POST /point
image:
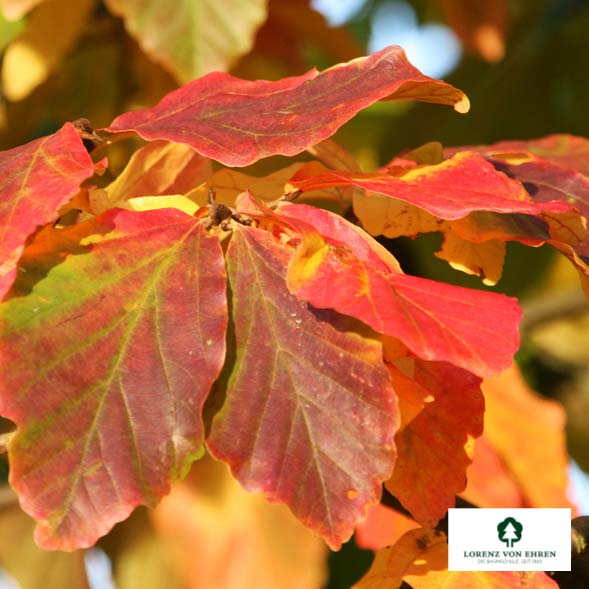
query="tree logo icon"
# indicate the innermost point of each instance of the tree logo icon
(510, 531)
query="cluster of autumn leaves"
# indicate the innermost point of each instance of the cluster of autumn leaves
(284, 340)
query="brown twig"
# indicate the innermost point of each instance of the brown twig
(539, 311)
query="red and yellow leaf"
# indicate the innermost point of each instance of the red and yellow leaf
(37, 179)
(238, 122)
(114, 334)
(310, 414)
(449, 190)
(202, 36)
(552, 170)
(436, 447)
(338, 269)
(477, 207)
(546, 181)
(566, 151)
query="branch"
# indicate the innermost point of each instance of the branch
(542, 310)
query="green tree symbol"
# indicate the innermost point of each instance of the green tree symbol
(509, 531)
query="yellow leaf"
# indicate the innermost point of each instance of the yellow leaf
(308, 257)
(28, 564)
(334, 156)
(228, 184)
(159, 168)
(51, 32)
(383, 215)
(569, 227)
(173, 201)
(416, 553)
(483, 259)
(420, 558)
(15, 9)
(140, 558)
(430, 154)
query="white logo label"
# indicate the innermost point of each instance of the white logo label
(509, 540)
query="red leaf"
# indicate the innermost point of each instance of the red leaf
(310, 414)
(472, 329)
(37, 179)
(436, 447)
(547, 182)
(449, 190)
(112, 354)
(238, 122)
(553, 170)
(566, 151)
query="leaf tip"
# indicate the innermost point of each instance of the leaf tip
(463, 105)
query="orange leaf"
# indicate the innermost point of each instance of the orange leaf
(412, 396)
(382, 527)
(420, 558)
(490, 482)
(481, 26)
(241, 540)
(532, 446)
(435, 448)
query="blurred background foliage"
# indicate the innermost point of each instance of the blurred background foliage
(523, 65)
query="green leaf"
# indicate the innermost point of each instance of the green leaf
(192, 37)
